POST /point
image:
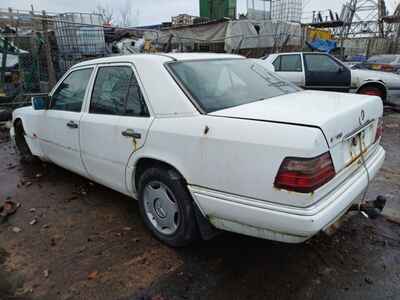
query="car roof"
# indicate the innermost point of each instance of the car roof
(157, 58)
(309, 52)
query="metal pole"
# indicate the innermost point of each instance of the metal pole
(47, 48)
(265, 10)
(3, 65)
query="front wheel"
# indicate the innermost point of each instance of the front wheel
(166, 207)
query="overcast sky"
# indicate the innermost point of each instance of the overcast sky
(151, 11)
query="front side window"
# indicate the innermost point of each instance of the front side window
(288, 63)
(321, 63)
(220, 84)
(70, 93)
(117, 92)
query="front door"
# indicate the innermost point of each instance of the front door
(323, 72)
(115, 125)
(59, 133)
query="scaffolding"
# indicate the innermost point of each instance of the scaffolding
(259, 9)
(363, 18)
(286, 10)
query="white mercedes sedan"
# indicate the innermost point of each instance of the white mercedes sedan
(207, 142)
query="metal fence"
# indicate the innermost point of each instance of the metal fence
(47, 45)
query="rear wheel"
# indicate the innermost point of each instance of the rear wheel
(373, 91)
(166, 206)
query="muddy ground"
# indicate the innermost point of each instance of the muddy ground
(88, 242)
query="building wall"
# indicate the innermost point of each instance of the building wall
(218, 9)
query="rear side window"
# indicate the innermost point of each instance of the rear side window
(321, 63)
(71, 92)
(117, 92)
(288, 63)
(383, 59)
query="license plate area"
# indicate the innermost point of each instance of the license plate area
(358, 143)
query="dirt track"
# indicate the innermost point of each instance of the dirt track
(89, 243)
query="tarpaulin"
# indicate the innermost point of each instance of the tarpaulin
(323, 45)
(188, 35)
(248, 34)
(240, 34)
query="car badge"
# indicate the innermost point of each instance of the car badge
(362, 117)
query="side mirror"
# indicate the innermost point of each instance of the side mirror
(41, 102)
(341, 70)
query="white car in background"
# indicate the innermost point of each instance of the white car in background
(321, 71)
(207, 141)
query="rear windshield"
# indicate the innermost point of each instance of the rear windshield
(220, 84)
(383, 59)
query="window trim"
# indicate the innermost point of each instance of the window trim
(139, 81)
(183, 88)
(63, 78)
(280, 63)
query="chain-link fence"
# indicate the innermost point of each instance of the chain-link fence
(46, 45)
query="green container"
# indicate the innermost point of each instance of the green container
(218, 9)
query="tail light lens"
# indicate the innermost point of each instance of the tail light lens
(305, 175)
(387, 68)
(379, 130)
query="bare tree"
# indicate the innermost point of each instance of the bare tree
(106, 11)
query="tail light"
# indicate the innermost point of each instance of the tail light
(305, 175)
(387, 68)
(379, 130)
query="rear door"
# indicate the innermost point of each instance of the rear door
(115, 124)
(290, 67)
(323, 72)
(60, 130)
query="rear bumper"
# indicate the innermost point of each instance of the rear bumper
(283, 223)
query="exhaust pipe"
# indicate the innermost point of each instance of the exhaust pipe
(370, 209)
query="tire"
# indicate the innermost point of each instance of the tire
(21, 144)
(372, 91)
(5, 115)
(166, 207)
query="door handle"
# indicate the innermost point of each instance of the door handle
(72, 124)
(131, 133)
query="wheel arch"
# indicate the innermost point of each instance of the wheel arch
(207, 231)
(143, 163)
(19, 138)
(18, 123)
(374, 83)
(26, 125)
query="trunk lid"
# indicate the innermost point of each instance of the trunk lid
(348, 121)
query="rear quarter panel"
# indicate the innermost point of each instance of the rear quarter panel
(234, 156)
